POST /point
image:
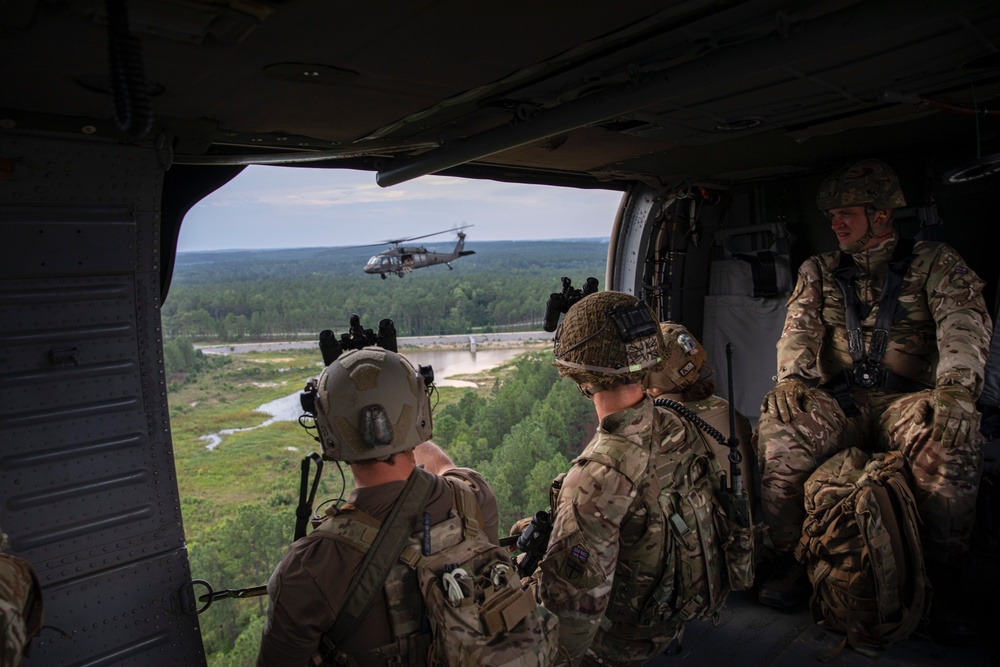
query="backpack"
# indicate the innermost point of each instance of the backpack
(861, 547)
(469, 591)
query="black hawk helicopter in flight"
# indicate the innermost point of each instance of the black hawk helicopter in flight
(402, 259)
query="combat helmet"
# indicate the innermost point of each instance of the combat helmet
(608, 338)
(685, 361)
(371, 403)
(868, 182)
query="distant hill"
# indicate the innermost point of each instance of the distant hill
(265, 294)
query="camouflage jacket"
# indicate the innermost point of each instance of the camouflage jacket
(941, 336)
(20, 608)
(606, 514)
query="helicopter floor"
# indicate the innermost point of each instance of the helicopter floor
(750, 634)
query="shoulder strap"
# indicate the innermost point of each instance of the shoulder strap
(384, 551)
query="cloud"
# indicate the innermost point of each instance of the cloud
(272, 207)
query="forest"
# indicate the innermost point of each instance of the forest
(520, 426)
(269, 294)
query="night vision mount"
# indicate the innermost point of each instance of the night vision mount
(356, 338)
(560, 302)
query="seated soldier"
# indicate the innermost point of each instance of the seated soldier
(883, 348)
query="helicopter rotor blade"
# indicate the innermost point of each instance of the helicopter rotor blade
(395, 242)
(423, 236)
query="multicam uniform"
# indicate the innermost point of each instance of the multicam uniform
(20, 607)
(307, 588)
(939, 340)
(608, 540)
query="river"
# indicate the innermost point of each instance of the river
(446, 364)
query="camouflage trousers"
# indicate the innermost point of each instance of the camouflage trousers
(946, 468)
(20, 608)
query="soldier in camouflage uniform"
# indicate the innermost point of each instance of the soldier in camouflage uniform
(608, 537)
(906, 381)
(373, 411)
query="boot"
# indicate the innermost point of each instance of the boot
(788, 585)
(951, 620)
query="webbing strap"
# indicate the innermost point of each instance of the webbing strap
(304, 510)
(382, 554)
(868, 369)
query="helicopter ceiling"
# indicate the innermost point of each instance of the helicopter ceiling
(562, 93)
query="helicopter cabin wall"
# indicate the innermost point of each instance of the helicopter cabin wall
(719, 286)
(88, 491)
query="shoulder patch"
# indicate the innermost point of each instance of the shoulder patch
(961, 269)
(575, 561)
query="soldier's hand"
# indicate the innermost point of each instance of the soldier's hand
(954, 414)
(519, 527)
(786, 400)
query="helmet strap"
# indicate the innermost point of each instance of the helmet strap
(874, 217)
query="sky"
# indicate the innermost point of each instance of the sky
(283, 207)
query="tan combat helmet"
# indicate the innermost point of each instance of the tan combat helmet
(608, 338)
(685, 361)
(865, 183)
(371, 403)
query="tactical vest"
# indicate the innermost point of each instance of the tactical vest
(676, 570)
(453, 596)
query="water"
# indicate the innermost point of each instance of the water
(446, 363)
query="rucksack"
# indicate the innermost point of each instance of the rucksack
(469, 590)
(861, 547)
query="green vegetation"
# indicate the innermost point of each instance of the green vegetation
(259, 295)
(520, 429)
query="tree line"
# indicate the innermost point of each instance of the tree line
(259, 295)
(519, 437)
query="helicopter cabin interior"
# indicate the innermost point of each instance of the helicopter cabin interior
(715, 119)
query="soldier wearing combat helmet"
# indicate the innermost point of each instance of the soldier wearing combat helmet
(372, 411)
(607, 513)
(883, 347)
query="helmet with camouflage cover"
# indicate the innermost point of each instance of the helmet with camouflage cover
(608, 338)
(868, 182)
(371, 403)
(685, 361)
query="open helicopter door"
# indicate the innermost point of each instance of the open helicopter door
(88, 491)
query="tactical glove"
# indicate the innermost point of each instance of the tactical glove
(949, 411)
(786, 400)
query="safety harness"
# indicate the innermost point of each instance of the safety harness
(868, 372)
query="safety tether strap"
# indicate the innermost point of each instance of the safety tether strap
(381, 556)
(868, 371)
(306, 497)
